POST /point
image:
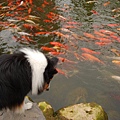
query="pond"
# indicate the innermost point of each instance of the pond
(84, 35)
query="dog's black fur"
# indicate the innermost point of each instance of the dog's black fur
(16, 78)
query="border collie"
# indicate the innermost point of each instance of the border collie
(27, 70)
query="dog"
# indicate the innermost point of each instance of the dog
(22, 72)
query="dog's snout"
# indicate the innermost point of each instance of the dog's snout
(46, 87)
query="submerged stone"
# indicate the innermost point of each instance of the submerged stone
(77, 95)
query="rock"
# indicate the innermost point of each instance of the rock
(32, 114)
(47, 110)
(87, 111)
(83, 111)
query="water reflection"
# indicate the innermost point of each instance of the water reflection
(76, 24)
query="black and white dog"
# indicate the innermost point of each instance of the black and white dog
(27, 70)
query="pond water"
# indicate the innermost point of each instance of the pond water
(81, 25)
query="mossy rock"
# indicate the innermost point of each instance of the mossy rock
(87, 111)
(47, 110)
(83, 111)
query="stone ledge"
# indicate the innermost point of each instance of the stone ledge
(33, 114)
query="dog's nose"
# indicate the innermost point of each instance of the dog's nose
(46, 87)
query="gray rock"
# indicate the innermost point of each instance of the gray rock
(32, 114)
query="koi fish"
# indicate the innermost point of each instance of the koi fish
(42, 33)
(101, 43)
(91, 58)
(55, 53)
(59, 34)
(94, 12)
(39, 9)
(116, 10)
(78, 57)
(69, 26)
(48, 49)
(24, 33)
(100, 34)
(89, 35)
(116, 62)
(115, 37)
(113, 25)
(28, 26)
(117, 52)
(29, 10)
(48, 21)
(116, 78)
(61, 17)
(106, 3)
(89, 51)
(93, 1)
(65, 60)
(61, 72)
(58, 44)
(104, 40)
(66, 30)
(28, 39)
(107, 32)
(30, 21)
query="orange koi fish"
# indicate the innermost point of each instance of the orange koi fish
(55, 53)
(115, 37)
(69, 26)
(42, 33)
(29, 10)
(47, 21)
(100, 34)
(58, 44)
(78, 57)
(65, 60)
(102, 43)
(94, 12)
(116, 62)
(28, 26)
(89, 51)
(61, 17)
(117, 52)
(104, 40)
(39, 9)
(106, 3)
(113, 25)
(61, 72)
(28, 38)
(53, 16)
(89, 35)
(91, 58)
(107, 32)
(59, 34)
(47, 49)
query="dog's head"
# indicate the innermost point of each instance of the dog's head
(49, 73)
(42, 68)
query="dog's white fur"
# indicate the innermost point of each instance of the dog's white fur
(38, 64)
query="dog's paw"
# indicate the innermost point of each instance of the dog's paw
(28, 105)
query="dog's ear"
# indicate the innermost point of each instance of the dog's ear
(54, 61)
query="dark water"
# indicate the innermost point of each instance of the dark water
(86, 81)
